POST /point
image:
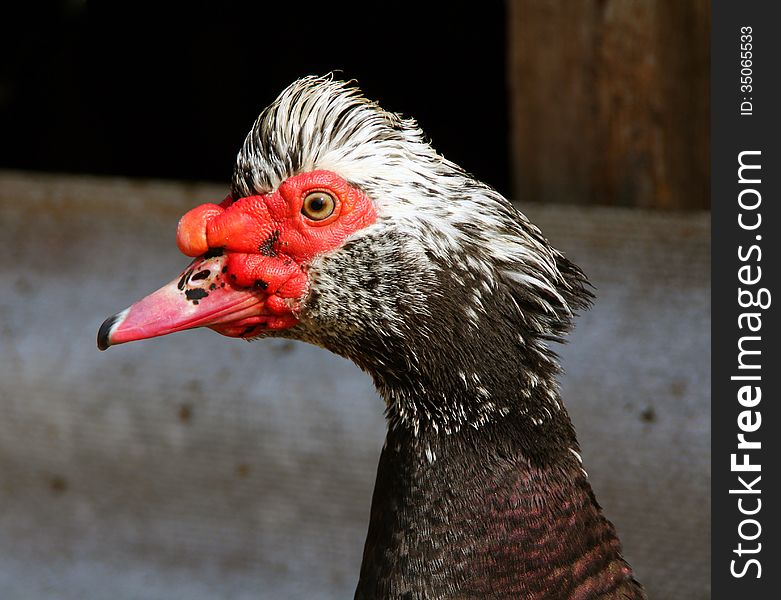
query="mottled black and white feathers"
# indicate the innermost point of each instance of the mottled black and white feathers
(451, 292)
(449, 300)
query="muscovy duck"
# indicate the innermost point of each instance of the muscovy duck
(344, 228)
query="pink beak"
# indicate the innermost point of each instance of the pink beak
(201, 297)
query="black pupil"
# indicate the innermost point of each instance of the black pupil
(317, 204)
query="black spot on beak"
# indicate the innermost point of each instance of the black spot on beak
(196, 294)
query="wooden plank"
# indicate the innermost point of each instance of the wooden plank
(609, 102)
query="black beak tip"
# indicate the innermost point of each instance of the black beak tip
(104, 331)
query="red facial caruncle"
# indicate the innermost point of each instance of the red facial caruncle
(250, 272)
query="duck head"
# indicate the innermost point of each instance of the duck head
(346, 229)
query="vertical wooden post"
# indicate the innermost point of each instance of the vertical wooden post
(609, 101)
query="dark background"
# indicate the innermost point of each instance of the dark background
(592, 102)
(125, 88)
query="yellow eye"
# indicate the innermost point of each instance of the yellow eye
(318, 205)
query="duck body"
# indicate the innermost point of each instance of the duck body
(468, 515)
(344, 228)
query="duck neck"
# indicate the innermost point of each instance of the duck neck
(499, 510)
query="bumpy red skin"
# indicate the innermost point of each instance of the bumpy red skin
(250, 273)
(269, 243)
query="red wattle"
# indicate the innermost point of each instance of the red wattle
(191, 232)
(270, 274)
(242, 227)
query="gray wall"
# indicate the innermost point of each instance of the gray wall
(199, 467)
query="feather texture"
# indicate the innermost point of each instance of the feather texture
(450, 301)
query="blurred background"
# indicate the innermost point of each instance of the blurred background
(198, 467)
